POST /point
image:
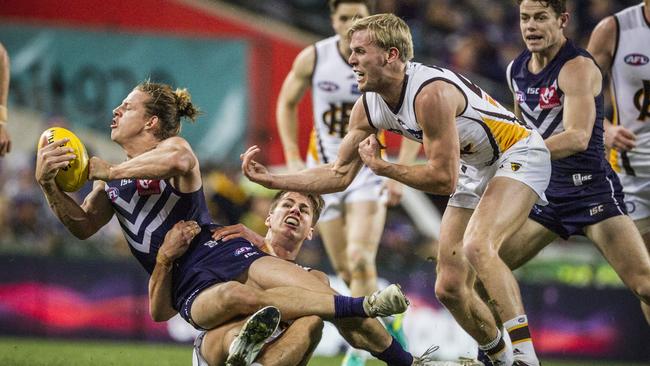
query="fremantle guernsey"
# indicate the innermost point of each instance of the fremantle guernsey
(630, 78)
(147, 209)
(541, 103)
(485, 128)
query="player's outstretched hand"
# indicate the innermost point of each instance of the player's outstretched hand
(370, 153)
(177, 241)
(5, 140)
(230, 232)
(620, 138)
(50, 158)
(252, 169)
(98, 169)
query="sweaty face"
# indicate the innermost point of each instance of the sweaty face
(367, 61)
(345, 15)
(541, 27)
(292, 217)
(129, 117)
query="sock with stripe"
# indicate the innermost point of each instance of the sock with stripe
(498, 350)
(522, 343)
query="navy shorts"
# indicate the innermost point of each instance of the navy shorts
(209, 262)
(589, 200)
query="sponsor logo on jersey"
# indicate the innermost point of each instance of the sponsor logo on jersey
(548, 97)
(113, 193)
(328, 86)
(147, 187)
(242, 250)
(124, 182)
(578, 178)
(596, 210)
(521, 96)
(211, 243)
(636, 59)
(532, 91)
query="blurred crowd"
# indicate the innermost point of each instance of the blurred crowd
(475, 37)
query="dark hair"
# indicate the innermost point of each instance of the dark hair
(334, 4)
(316, 200)
(169, 106)
(559, 6)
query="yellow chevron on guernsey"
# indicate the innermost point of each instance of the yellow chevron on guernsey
(506, 134)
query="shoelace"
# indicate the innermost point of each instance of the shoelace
(427, 356)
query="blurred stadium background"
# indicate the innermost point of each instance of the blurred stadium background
(72, 62)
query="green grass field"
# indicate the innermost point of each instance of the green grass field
(42, 352)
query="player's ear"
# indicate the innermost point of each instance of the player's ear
(310, 234)
(392, 56)
(267, 222)
(564, 19)
(153, 121)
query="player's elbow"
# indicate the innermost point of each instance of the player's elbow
(182, 162)
(445, 182)
(158, 315)
(581, 141)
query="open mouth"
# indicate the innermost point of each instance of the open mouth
(113, 123)
(533, 38)
(359, 75)
(292, 221)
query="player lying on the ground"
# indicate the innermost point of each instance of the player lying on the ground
(290, 221)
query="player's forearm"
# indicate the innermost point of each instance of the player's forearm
(160, 163)
(160, 284)
(567, 143)
(287, 117)
(4, 77)
(321, 179)
(424, 177)
(71, 215)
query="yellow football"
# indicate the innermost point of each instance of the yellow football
(75, 175)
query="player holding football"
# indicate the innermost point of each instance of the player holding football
(160, 184)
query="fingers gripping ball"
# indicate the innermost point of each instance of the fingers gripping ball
(75, 175)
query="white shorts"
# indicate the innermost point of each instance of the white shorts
(197, 359)
(637, 195)
(366, 186)
(527, 161)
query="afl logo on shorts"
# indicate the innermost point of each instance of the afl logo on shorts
(636, 59)
(630, 206)
(242, 250)
(328, 86)
(113, 193)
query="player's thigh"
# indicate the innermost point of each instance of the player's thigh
(502, 210)
(451, 260)
(643, 225)
(622, 245)
(334, 240)
(220, 303)
(365, 223)
(525, 243)
(271, 272)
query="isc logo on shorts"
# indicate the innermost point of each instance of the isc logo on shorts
(596, 210)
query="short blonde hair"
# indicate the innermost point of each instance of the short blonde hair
(386, 31)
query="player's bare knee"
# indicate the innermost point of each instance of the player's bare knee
(479, 253)
(241, 298)
(361, 262)
(449, 291)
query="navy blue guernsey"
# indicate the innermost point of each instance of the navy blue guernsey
(541, 102)
(147, 209)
